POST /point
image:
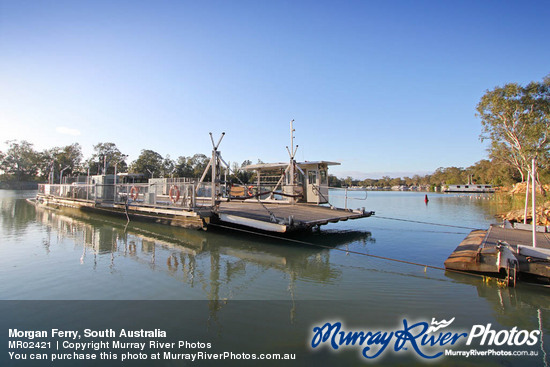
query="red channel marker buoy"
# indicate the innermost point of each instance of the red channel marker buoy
(426, 199)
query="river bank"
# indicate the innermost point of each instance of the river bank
(515, 196)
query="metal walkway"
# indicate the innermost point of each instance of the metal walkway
(515, 237)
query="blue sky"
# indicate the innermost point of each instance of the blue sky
(383, 87)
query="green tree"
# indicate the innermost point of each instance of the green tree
(191, 167)
(183, 167)
(20, 162)
(396, 181)
(149, 162)
(105, 158)
(368, 182)
(67, 158)
(385, 181)
(198, 164)
(239, 174)
(517, 121)
(168, 166)
(334, 181)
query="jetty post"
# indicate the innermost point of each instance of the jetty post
(534, 200)
(526, 197)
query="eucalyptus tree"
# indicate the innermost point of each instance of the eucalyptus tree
(104, 159)
(20, 162)
(66, 158)
(191, 166)
(182, 167)
(517, 121)
(149, 163)
(168, 166)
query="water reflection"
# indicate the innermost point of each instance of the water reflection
(524, 306)
(221, 265)
(16, 216)
(69, 254)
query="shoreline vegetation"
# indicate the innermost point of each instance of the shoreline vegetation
(515, 198)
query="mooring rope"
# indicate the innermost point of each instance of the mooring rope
(417, 221)
(425, 266)
(416, 230)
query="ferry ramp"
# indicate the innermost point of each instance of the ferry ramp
(283, 217)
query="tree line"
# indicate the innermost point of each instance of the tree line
(21, 162)
(482, 172)
(514, 118)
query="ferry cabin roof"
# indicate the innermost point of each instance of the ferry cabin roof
(302, 165)
(310, 181)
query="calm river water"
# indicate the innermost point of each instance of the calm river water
(246, 292)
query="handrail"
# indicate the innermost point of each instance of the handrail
(346, 195)
(124, 193)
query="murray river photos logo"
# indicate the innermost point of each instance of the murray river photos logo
(426, 340)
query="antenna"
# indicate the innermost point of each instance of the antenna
(292, 130)
(292, 150)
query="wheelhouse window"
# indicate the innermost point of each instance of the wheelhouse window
(312, 177)
(324, 178)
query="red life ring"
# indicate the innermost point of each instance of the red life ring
(250, 192)
(134, 193)
(174, 194)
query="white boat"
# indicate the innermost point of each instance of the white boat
(469, 187)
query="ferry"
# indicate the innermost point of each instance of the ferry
(285, 197)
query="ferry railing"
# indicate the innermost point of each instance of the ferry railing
(204, 193)
(347, 198)
(179, 195)
(268, 184)
(254, 191)
(69, 191)
(163, 185)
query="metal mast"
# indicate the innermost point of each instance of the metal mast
(292, 154)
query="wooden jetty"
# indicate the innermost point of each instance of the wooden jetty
(284, 197)
(506, 253)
